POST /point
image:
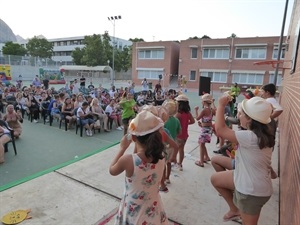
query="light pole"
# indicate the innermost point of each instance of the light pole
(113, 19)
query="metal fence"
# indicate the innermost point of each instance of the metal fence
(28, 67)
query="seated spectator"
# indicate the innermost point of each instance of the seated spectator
(98, 111)
(55, 107)
(79, 100)
(34, 107)
(21, 103)
(140, 99)
(159, 98)
(86, 117)
(4, 138)
(13, 120)
(149, 97)
(67, 112)
(113, 113)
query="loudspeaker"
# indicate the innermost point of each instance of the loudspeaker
(160, 76)
(204, 85)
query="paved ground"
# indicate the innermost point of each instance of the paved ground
(81, 191)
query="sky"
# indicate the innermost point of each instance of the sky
(155, 20)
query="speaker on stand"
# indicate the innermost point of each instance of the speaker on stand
(204, 85)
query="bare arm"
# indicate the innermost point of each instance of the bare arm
(121, 162)
(220, 126)
(191, 119)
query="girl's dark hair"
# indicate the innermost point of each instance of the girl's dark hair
(184, 106)
(124, 95)
(264, 133)
(154, 147)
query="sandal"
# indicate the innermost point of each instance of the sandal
(166, 190)
(233, 217)
(198, 163)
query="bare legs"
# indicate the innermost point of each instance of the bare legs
(3, 140)
(221, 163)
(223, 183)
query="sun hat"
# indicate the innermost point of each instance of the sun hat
(145, 123)
(150, 108)
(171, 105)
(257, 109)
(182, 98)
(207, 98)
(163, 113)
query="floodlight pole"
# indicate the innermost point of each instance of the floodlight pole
(113, 19)
(280, 42)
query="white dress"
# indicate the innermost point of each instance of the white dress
(141, 202)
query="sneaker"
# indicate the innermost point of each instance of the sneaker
(87, 133)
(35, 121)
(122, 127)
(165, 190)
(119, 128)
(47, 121)
(91, 132)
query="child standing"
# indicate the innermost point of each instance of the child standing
(186, 118)
(141, 202)
(206, 116)
(174, 127)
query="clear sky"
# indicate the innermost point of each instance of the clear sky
(153, 20)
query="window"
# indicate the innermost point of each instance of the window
(151, 54)
(194, 53)
(193, 75)
(149, 74)
(218, 53)
(248, 78)
(279, 79)
(250, 53)
(216, 77)
(275, 53)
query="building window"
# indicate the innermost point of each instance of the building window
(149, 74)
(275, 53)
(194, 53)
(248, 78)
(151, 54)
(216, 77)
(192, 75)
(279, 79)
(250, 53)
(215, 53)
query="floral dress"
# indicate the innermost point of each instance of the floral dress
(141, 202)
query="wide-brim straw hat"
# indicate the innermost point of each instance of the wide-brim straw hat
(257, 109)
(182, 98)
(171, 105)
(145, 123)
(207, 98)
(151, 108)
(163, 113)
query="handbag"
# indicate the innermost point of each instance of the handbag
(97, 124)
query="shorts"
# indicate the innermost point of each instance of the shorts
(126, 120)
(233, 163)
(87, 121)
(249, 204)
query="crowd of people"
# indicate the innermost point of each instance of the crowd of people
(243, 175)
(157, 123)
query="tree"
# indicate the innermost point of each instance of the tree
(233, 35)
(136, 39)
(205, 37)
(40, 47)
(11, 48)
(77, 55)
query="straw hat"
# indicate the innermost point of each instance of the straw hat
(257, 109)
(145, 123)
(163, 113)
(207, 98)
(150, 108)
(171, 105)
(182, 98)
